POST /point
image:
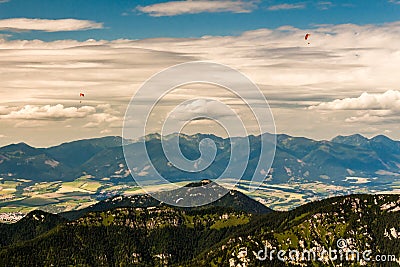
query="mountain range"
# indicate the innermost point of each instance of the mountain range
(297, 159)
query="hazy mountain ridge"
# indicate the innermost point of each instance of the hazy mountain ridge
(62, 162)
(296, 159)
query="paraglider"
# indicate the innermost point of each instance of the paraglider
(307, 36)
(81, 95)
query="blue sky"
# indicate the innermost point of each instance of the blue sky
(121, 19)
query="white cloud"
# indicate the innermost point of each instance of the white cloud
(47, 25)
(101, 119)
(371, 108)
(106, 131)
(31, 124)
(48, 112)
(389, 100)
(397, 2)
(375, 116)
(324, 5)
(105, 117)
(199, 107)
(287, 6)
(174, 8)
(4, 110)
(368, 118)
(4, 1)
(107, 108)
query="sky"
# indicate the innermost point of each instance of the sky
(343, 80)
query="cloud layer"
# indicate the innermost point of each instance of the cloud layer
(47, 25)
(174, 8)
(330, 74)
(287, 6)
(47, 112)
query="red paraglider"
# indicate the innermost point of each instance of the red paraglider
(81, 95)
(307, 36)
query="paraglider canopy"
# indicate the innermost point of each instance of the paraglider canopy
(81, 95)
(307, 36)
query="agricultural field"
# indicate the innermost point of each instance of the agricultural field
(23, 196)
(19, 196)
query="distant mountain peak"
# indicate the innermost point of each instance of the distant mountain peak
(352, 136)
(41, 216)
(359, 140)
(20, 145)
(234, 200)
(354, 139)
(382, 138)
(201, 183)
(152, 136)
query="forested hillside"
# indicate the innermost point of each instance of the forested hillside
(213, 236)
